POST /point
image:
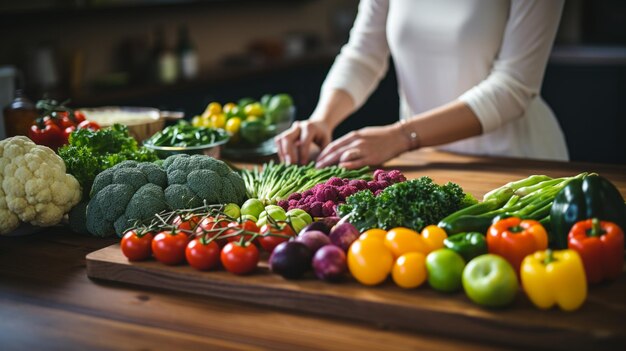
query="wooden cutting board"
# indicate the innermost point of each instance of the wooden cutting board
(600, 323)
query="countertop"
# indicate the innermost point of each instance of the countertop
(48, 302)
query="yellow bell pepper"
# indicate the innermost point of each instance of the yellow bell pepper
(558, 277)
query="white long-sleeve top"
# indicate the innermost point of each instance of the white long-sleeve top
(490, 54)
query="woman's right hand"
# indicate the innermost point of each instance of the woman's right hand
(295, 145)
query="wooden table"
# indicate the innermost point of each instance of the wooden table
(48, 302)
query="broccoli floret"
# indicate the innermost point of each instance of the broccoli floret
(180, 196)
(131, 176)
(206, 178)
(206, 184)
(154, 173)
(123, 194)
(147, 201)
(106, 207)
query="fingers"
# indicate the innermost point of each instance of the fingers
(304, 144)
(285, 144)
(332, 152)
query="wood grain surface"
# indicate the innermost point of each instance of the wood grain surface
(47, 302)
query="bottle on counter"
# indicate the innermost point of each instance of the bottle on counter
(187, 54)
(19, 115)
(166, 63)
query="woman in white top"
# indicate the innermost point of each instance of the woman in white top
(469, 75)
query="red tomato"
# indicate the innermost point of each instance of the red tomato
(79, 116)
(88, 125)
(63, 119)
(137, 247)
(169, 248)
(239, 259)
(210, 226)
(186, 223)
(66, 133)
(248, 226)
(202, 256)
(46, 134)
(269, 242)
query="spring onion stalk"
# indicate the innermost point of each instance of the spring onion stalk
(276, 181)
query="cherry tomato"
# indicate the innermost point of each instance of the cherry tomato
(209, 227)
(91, 125)
(370, 261)
(433, 237)
(409, 271)
(247, 225)
(137, 247)
(79, 116)
(47, 134)
(169, 248)
(402, 240)
(63, 119)
(269, 242)
(239, 259)
(202, 255)
(66, 133)
(186, 223)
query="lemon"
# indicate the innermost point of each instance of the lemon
(254, 109)
(218, 120)
(213, 108)
(233, 125)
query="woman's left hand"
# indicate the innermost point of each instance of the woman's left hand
(364, 147)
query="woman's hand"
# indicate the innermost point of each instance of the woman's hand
(295, 144)
(365, 147)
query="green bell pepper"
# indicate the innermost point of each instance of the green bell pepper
(591, 197)
(468, 245)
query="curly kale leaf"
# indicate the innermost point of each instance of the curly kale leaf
(413, 204)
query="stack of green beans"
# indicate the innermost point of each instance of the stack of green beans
(529, 198)
(276, 181)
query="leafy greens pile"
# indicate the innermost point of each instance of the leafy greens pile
(91, 152)
(413, 204)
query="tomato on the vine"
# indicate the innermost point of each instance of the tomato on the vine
(187, 223)
(66, 133)
(169, 247)
(47, 134)
(91, 125)
(239, 258)
(210, 227)
(79, 116)
(136, 246)
(272, 235)
(247, 225)
(202, 255)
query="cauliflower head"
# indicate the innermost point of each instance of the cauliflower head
(34, 185)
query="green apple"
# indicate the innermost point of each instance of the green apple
(232, 210)
(490, 280)
(276, 212)
(252, 207)
(297, 223)
(296, 212)
(247, 217)
(445, 270)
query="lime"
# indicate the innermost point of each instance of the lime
(253, 131)
(252, 207)
(280, 101)
(232, 210)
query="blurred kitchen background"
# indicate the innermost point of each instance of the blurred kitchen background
(182, 54)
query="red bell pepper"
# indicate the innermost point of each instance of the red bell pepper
(601, 246)
(514, 239)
